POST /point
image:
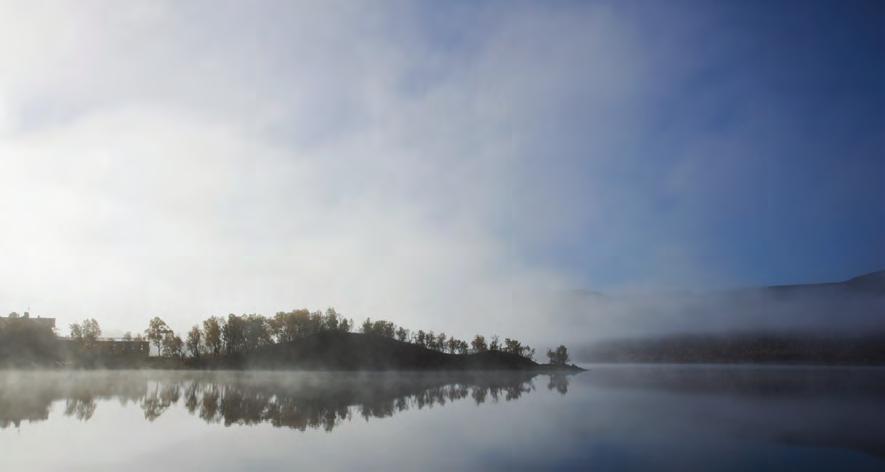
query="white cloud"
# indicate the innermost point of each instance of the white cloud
(186, 160)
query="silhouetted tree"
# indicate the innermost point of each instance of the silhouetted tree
(316, 323)
(384, 328)
(378, 328)
(479, 343)
(527, 352)
(441, 342)
(402, 334)
(559, 356)
(494, 345)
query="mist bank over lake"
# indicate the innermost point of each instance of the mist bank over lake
(849, 308)
(826, 323)
(741, 348)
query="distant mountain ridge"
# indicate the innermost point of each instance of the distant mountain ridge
(873, 282)
(831, 322)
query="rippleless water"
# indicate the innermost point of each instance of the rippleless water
(609, 418)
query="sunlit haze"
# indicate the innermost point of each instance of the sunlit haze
(494, 167)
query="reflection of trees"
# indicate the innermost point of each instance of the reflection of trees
(334, 398)
(28, 396)
(292, 400)
(159, 399)
(559, 383)
(80, 408)
(16, 405)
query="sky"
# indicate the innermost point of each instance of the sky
(453, 166)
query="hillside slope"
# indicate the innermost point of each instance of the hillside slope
(351, 351)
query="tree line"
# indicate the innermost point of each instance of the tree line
(238, 334)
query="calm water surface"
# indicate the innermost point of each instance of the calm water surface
(609, 418)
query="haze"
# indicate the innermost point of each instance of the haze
(456, 166)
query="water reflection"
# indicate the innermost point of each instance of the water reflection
(813, 407)
(292, 400)
(610, 418)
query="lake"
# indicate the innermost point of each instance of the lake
(612, 417)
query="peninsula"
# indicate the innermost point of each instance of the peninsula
(298, 339)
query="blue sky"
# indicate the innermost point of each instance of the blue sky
(772, 114)
(437, 163)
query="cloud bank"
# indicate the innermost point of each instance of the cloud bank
(191, 159)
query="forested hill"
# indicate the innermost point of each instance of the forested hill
(290, 340)
(352, 351)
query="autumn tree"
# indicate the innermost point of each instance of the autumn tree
(173, 346)
(156, 332)
(212, 334)
(194, 344)
(479, 343)
(86, 333)
(233, 334)
(284, 326)
(256, 332)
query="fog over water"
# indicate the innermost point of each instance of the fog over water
(625, 417)
(843, 309)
